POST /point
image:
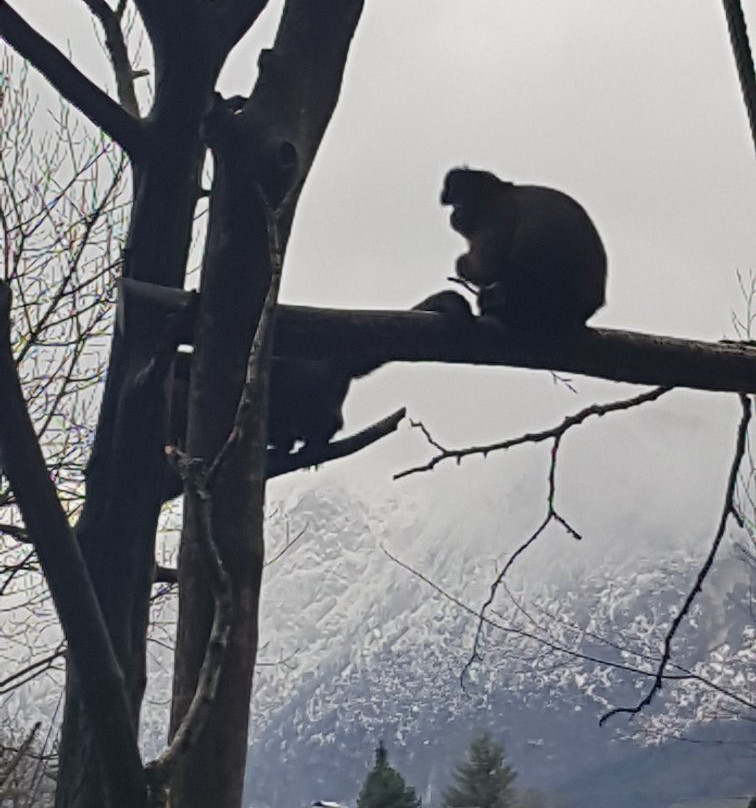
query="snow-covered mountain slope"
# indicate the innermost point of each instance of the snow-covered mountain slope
(360, 648)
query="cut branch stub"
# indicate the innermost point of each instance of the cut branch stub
(143, 309)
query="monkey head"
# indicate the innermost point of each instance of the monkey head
(470, 193)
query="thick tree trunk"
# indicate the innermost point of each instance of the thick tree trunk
(119, 520)
(267, 148)
(234, 283)
(117, 541)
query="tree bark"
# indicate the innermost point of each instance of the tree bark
(622, 356)
(93, 664)
(119, 520)
(268, 148)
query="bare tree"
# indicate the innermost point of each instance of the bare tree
(27, 772)
(100, 574)
(62, 219)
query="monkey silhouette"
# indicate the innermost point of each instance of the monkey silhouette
(534, 254)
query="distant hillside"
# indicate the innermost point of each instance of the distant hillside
(680, 773)
(735, 802)
(374, 652)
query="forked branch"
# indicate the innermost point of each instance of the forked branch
(70, 82)
(729, 510)
(552, 514)
(554, 433)
(111, 21)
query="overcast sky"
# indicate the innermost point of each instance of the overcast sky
(634, 109)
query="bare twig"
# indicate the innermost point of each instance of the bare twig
(553, 433)
(684, 674)
(14, 569)
(32, 670)
(741, 50)
(728, 511)
(551, 644)
(15, 532)
(17, 757)
(744, 324)
(115, 45)
(288, 544)
(552, 514)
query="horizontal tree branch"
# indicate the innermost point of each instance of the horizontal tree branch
(70, 82)
(284, 464)
(622, 356)
(375, 337)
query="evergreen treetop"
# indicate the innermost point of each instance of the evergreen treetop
(384, 787)
(482, 780)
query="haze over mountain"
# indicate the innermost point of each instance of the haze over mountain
(371, 651)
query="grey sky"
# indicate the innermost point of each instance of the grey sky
(634, 109)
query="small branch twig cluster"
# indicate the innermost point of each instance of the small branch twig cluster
(552, 514)
(553, 433)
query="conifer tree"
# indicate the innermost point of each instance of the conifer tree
(482, 780)
(384, 787)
